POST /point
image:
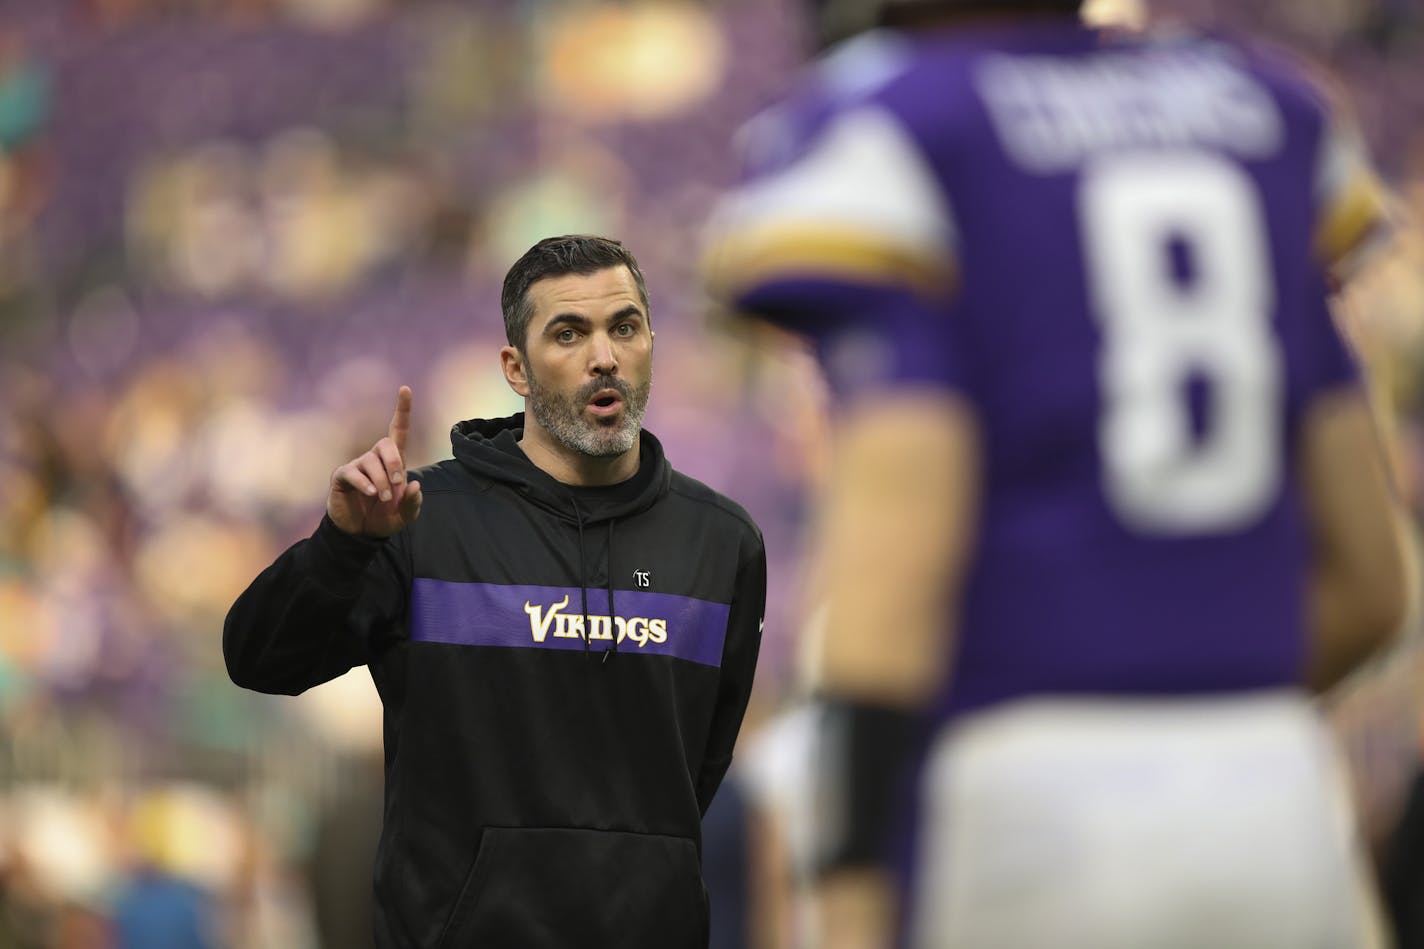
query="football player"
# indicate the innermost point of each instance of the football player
(1107, 503)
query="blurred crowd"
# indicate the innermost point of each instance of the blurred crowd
(230, 228)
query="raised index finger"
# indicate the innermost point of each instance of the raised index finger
(400, 422)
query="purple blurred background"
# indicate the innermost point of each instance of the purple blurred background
(230, 228)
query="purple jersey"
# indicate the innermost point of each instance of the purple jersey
(1118, 251)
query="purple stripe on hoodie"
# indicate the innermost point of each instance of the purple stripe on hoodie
(535, 617)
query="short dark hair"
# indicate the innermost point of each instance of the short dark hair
(554, 257)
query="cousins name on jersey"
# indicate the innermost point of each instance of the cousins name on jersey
(1052, 113)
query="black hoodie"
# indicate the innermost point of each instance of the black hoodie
(544, 789)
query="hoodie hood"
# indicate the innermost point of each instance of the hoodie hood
(489, 448)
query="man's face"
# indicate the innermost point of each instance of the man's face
(588, 356)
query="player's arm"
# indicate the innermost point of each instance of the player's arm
(1362, 585)
(325, 603)
(739, 657)
(898, 525)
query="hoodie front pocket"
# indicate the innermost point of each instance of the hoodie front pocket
(547, 888)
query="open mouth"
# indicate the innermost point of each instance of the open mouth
(606, 402)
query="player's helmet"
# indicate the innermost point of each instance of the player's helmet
(836, 20)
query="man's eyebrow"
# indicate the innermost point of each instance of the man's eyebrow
(562, 319)
(627, 311)
(580, 321)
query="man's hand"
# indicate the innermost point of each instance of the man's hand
(370, 496)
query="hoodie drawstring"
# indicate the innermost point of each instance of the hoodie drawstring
(612, 614)
(583, 577)
(583, 587)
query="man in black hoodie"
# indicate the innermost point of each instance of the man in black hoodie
(562, 628)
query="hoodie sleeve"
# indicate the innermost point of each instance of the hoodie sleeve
(739, 658)
(325, 605)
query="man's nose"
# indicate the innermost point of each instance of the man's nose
(602, 359)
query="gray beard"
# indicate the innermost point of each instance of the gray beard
(564, 418)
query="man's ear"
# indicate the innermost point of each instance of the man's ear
(512, 361)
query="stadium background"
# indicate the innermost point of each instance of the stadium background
(230, 228)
